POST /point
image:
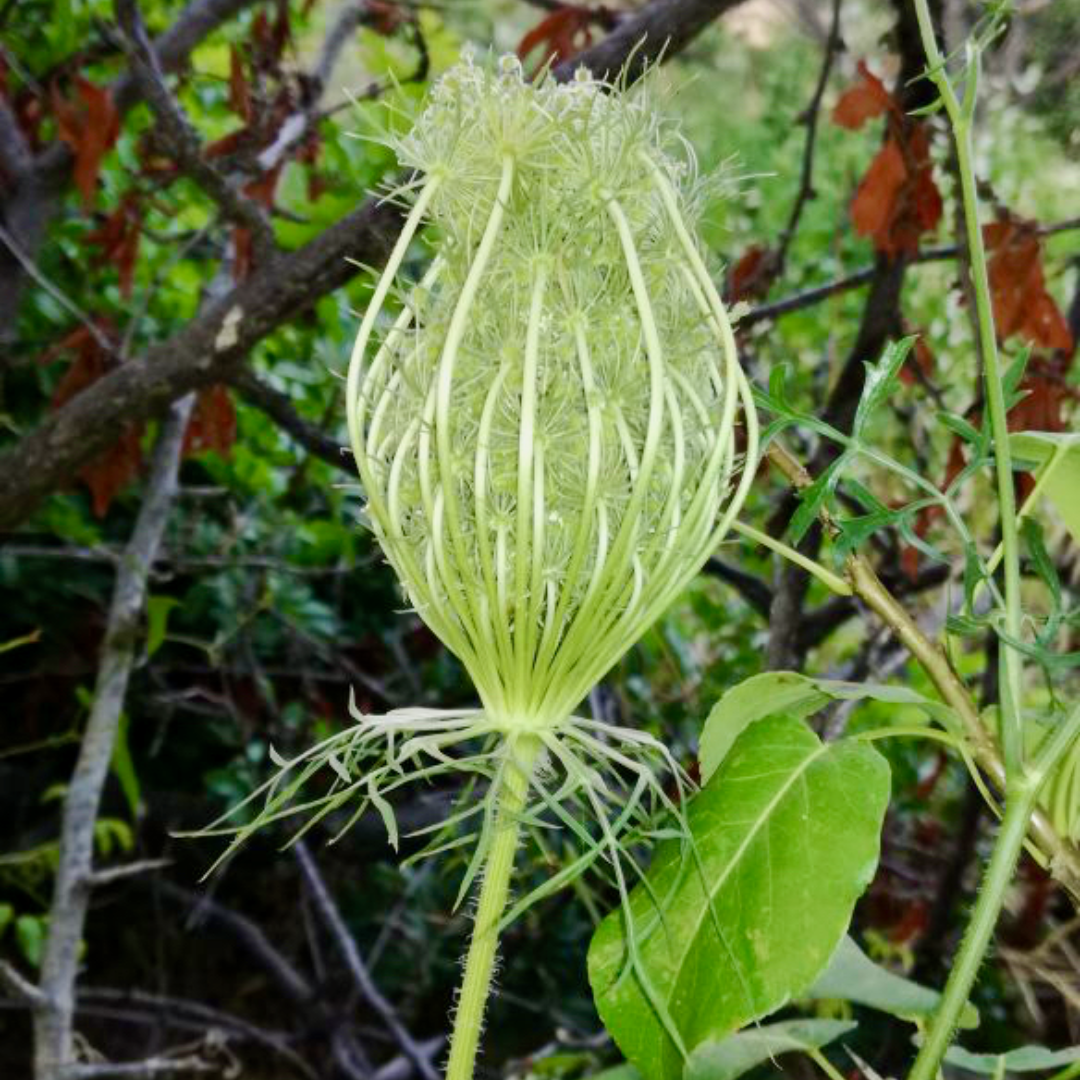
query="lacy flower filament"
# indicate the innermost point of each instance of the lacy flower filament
(546, 435)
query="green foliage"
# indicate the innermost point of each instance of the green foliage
(736, 921)
(729, 1058)
(853, 976)
(788, 693)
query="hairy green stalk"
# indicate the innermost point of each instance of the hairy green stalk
(1020, 800)
(494, 892)
(546, 437)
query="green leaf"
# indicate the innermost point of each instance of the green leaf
(123, 767)
(1056, 456)
(785, 839)
(853, 976)
(741, 1052)
(17, 643)
(157, 620)
(7, 913)
(960, 427)
(881, 381)
(1024, 1059)
(788, 693)
(30, 934)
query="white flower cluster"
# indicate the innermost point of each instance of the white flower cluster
(547, 433)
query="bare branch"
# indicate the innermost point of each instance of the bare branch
(282, 411)
(157, 1066)
(248, 934)
(208, 349)
(21, 987)
(180, 137)
(100, 878)
(328, 910)
(53, 1022)
(300, 125)
(659, 31)
(35, 272)
(810, 117)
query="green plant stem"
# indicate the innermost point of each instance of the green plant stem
(961, 116)
(480, 960)
(834, 582)
(1019, 803)
(965, 967)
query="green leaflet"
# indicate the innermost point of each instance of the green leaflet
(786, 836)
(853, 976)
(773, 693)
(1057, 455)
(1024, 1059)
(738, 1053)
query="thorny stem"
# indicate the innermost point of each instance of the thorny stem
(480, 959)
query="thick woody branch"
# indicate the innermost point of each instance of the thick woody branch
(212, 346)
(208, 349)
(659, 31)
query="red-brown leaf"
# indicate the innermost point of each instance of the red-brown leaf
(90, 126)
(752, 275)
(561, 35)
(91, 360)
(1022, 305)
(114, 469)
(920, 361)
(863, 101)
(897, 200)
(213, 423)
(239, 87)
(384, 17)
(119, 236)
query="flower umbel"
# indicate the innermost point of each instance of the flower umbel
(546, 435)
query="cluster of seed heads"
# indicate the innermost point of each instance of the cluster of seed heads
(546, 434)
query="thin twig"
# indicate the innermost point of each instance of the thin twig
(181, 138)
(35, 272)
(330, 914)
(158, 1066)
(808, 297)
(810, 117)
(21, 987)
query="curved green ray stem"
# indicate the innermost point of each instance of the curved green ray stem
(512, 792)
(836, 583)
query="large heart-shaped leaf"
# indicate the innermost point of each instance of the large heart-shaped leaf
(784, 840)
(1056, 455)
(739, 1053)
(853, 976)
(773, 693)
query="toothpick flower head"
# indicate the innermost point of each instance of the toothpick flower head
(546, 434)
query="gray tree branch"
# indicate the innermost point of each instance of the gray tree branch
(54, 1016)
